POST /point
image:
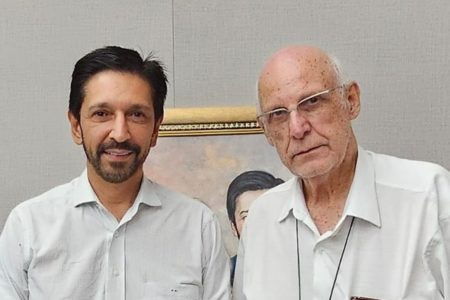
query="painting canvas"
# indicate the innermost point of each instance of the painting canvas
(202, 164)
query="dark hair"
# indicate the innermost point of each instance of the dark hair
(122, 60)
(248, 181)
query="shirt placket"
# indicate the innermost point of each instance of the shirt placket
(321, 277)
(326, 253)
(115, 285)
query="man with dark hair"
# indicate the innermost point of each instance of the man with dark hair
(350, 224)
(242, 191)
(111, 233)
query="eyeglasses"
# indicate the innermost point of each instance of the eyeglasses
(308, 105)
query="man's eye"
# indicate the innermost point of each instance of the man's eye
(138, 116)
(309, 103)
(278, 114)
(100, 114)
(314, 100)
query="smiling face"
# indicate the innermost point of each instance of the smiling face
(314, 141)
(117, 125)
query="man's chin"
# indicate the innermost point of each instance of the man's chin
(116, 172)
(311, 170)
(115, 177)
(116, 166)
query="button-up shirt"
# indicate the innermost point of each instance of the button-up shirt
(398, 248)
(65, 245)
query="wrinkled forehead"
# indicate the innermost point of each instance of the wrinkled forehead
(306, 68)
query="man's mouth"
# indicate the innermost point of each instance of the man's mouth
(306, 151)
(118, 152)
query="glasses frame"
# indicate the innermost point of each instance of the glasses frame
(267, 113)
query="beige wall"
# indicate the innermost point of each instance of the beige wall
(213, 50)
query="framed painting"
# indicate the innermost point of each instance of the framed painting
(201, 150)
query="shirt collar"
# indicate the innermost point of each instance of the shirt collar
(295, 201)
(82, 191)
(361, 202)
(85, 194)
(147, 193)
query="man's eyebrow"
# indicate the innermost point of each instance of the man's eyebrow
(98, 105)
(140, 106)
(243, 212)
(107, 105)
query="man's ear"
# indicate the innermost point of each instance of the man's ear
(155, 132)
(353, 99)
(234, 230)
(75, 127)
(266, 134)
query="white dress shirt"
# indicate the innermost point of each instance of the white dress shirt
(64, 244)
(399, 246)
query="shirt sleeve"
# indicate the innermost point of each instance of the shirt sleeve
(445, 227)
(13, 266)
(437, 255)
(238, 292)
(216, 267)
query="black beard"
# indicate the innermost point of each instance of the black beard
(120, 171)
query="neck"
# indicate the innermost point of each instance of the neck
(117, 198)
(326, 195)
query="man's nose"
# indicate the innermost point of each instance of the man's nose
(299, 125)
(120, 131)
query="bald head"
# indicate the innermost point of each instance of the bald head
(306, 65)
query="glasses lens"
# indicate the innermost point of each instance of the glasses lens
(277, 116)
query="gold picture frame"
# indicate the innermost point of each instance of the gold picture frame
(209, 121)
(201, 150)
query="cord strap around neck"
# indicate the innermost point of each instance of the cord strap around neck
(339, 264)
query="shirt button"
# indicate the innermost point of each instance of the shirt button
(116, 235)
(116, 273)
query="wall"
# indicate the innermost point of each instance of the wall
(213, 50)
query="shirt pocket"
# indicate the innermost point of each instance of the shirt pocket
(163, 291)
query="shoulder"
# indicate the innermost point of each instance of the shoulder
(48, 201)
(268, 207)
(43, 211)
(179, 203)
(425, 183)
(276, 196)
(413, 175)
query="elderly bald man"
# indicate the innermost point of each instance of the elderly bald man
(351, 223)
